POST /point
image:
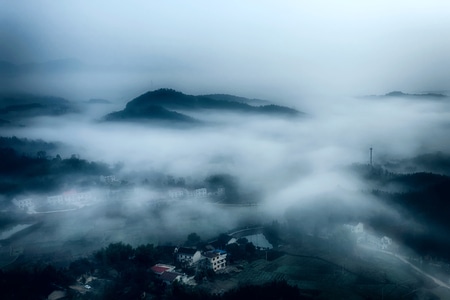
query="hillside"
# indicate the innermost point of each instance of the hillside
(162, 104)
(14, 107)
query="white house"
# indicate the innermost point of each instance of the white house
(216, 259)
(199, 193)
(70, 197)
(27, 204)
(111, 179)
(385, 242)
(358, 228)
(188, 256)
(177, 193)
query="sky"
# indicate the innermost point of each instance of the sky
(271, 49)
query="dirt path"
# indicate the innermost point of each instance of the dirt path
(437, 281)
(402, 258)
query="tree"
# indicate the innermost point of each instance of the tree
(145, 255)
(41, 154)
(193, 239)
(116, 255)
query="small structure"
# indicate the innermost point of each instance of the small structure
(110, 179)
(200, 193)
(385, 242)
(178, 193)
(70, 197)
(187, 256)
(216, 259)
(160, 269)
(358, 228)
(167, 273)
(25, 204)
(169, 277)
(369, 238)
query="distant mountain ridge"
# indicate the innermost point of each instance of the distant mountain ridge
(69, 64)
(161, 105)
(400, 94)
(21, 106)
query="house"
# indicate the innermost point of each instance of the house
(70, 197)
(200, 193)
(27, 204)
(160, 269)
(169, 277)
(167, 273)
(385, 242)
(187, 256)
(216, 259)
(358, 228)
(110, 179)
(368, 238)
(178, 193)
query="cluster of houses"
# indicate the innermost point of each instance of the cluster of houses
(369, 239)
(68, 199)
(109, 180)
(179, 193)
(215, 260)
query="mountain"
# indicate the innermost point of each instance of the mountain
(225, 97)
(160, 105)
(60, 65)
(399, 94)
(19, 106)
(149, 113)
(427, 95)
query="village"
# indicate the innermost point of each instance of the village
(218, 264)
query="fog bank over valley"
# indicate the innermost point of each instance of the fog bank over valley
(292, 150)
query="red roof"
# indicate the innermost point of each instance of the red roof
(160, 269)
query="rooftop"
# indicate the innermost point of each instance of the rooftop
(160, 268)
(188, 251)
(170, 276)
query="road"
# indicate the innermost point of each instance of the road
(403, 259)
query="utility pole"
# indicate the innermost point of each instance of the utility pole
(371, 157)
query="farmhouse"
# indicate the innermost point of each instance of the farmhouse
(169, 277)
(167, 273)
(159, 269)
(27, 204)
(187, 256)
(70, 197)
(367, 238)
(216, 259)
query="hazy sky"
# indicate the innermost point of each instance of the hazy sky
(287, 47)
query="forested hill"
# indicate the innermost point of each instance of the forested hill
(422, 196)
(166, 104)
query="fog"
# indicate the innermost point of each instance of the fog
(322, 58)
(286, 161)
(260, 49)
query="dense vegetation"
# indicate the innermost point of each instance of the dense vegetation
(42, 173)
(159, 105)
(423, 197)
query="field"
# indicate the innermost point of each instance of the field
(372, 275)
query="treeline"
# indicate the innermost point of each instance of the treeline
(421, 197)
(43, 173)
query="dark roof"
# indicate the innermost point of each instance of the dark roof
(189, 251)
(169, 276)
(214, 253)
(210, 254)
